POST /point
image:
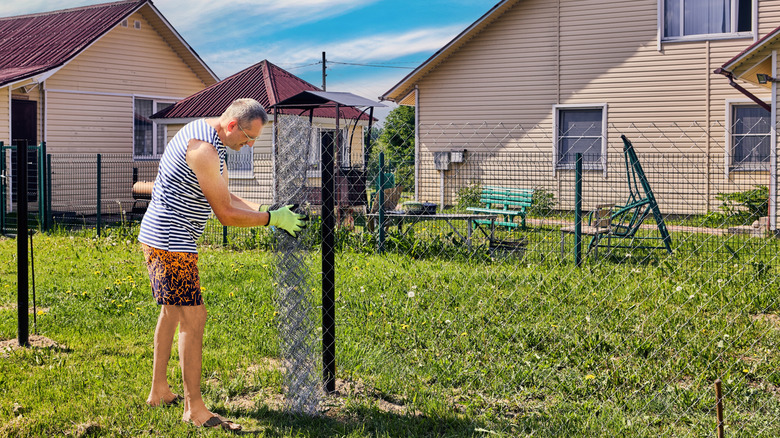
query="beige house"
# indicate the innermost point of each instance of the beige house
(557, 77)
(86, 80)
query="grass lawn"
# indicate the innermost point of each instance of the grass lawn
(428, 344)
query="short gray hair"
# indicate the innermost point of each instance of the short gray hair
(245, 111)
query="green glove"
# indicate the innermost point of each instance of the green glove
(288, 220)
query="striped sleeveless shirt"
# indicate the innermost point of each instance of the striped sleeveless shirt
(178, 211)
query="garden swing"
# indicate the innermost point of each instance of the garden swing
(623, 221)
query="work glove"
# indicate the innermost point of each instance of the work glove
(288, 220)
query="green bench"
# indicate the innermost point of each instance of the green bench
(505, 202)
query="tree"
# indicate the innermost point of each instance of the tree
(397, 142)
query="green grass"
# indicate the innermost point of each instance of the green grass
(435, 340)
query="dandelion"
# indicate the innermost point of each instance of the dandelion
(231, 295)
(590, 377)
(448, 322)
(463, 334)
(679, 288)
(41, 312)
(370, 313)
(356, 268)
(410, 294)
(362, 290)
(746, 371)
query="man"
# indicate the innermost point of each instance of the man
(191, 183)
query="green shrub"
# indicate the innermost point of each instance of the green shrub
(748, 205)
(469, 196)
(542, 203)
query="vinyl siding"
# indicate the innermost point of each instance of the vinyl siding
(5, 115)
(129, 61)
(89, 123)
(535, 56)
(504, 81)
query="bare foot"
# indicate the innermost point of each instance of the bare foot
(215, 421)
(169, 399)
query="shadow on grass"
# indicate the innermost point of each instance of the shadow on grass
(360, 420)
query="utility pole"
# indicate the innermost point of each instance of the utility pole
(324, 67)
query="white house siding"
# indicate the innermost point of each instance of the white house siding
(542, 53)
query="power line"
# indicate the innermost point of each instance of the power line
(370, 65)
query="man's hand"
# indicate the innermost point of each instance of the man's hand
(288, 220)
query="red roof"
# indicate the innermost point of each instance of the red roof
(264, 82)
(32, 44)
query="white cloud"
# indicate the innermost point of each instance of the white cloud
(373, 48)
(232, 18)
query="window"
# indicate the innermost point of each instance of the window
(749, 137)
(580, 129)
(706, 19)
(149, 137)
(322, 136)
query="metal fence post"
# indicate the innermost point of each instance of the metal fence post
(578, 211)
(3, 186)
(224, 235)
(99, 184)
(380, 198)
(49, 217)
(21, 244)
(328, 154)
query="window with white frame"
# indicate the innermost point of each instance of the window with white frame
(706, 19)
(149, 137)
(749, 140)
(580, 129)
(326, 136)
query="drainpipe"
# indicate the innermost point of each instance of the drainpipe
(747, 93)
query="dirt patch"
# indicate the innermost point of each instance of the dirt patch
(333, 404)
(769, 318)
(36, 341)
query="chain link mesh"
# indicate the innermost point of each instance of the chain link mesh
(295, 283)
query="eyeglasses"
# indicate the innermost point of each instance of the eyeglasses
(252, 139)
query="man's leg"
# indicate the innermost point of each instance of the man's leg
(192, 324)
(163, 341)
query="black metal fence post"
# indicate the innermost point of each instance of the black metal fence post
(380, 198)
(328, 150)
(21, 244)
(578, 211)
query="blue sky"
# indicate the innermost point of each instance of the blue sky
(230, 36)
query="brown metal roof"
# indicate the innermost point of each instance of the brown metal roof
(264, 82)
(32, 44)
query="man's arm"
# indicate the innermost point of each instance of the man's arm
(231, 210)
